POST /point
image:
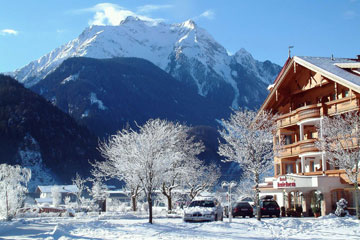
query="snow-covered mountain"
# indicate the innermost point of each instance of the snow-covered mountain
(186, 51)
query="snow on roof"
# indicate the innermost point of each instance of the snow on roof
(62, 188)
(331, 66)
(44, 200)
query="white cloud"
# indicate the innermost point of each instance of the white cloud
(209, 14)
(111, 14)
(5, 32)
(150, 8)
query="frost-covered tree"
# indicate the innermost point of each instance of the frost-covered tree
(182, 168)
(245, 188)
(56, 195)
(80, 183)
(13, 186)
(146, 154)
(120, 166)
(98, 192)
(248, 137)
(340, 140)
(200, 177)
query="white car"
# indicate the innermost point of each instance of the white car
(204, 209)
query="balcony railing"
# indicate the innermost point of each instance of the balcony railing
(310, 111)
(297, 148)
(342, 105)
(317, 110)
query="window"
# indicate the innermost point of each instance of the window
(336, 195)
(310, 135)
(346, 93)
(289, 168)
(312, 166)
(277, 169)
(288, 139)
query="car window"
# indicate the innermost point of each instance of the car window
(245, 204)
(270, 204)
(202, 204)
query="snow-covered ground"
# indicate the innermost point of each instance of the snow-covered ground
(121, 226)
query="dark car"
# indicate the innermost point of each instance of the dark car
(269, 207)
(242, 209)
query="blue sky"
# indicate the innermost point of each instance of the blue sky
(30, 29)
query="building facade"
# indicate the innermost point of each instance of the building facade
(306, 90)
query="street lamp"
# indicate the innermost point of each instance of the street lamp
(230, 185)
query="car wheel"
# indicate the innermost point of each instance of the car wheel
(277, 215)
(251, 216)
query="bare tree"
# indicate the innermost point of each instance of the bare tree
(181, 168)
(200, 177)
(245, 188)
(119, 163)
(340, 140)
(98, 192)
(80, 184)
(146, 155)
(56, 195)
(13, 186)
(248, 137)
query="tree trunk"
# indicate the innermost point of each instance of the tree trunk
(149, 199)
(7, 206)
(168, 196)
(133, 203)
(356, 186)
(257, 200)
(169, 203)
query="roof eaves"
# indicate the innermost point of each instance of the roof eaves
(278, 81)
(327, 74)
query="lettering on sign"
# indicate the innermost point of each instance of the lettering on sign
(284, 182)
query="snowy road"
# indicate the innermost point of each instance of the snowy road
(127, 227)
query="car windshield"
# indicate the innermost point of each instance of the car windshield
(202, 204)
(270, 204)
(243, 204)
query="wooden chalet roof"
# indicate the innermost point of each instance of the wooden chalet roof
(339, 70)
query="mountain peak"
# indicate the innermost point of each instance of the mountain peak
(130, 19)
(189, 24)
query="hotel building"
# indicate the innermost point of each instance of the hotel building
(306, 90)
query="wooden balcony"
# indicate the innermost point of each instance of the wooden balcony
(292, 118)
(342, 105)
(317, 110)
(297, 148)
